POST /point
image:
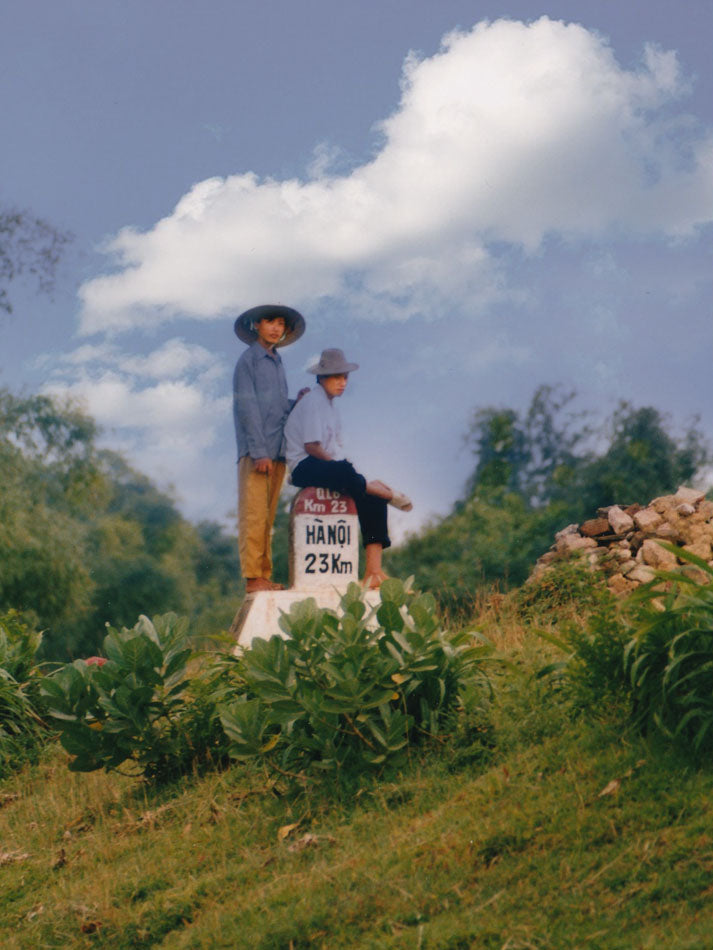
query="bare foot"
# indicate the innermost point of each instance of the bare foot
(374, 581)
(255, 584)
(401, 501)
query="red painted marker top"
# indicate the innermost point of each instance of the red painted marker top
(323, 501)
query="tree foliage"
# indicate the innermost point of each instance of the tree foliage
(28, 246)
(86, 540)
(535, 473)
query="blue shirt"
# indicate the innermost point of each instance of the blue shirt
(260, 403)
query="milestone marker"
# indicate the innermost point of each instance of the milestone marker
(323, 562)
(324, 540)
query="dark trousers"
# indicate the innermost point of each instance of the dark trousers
(343, 477)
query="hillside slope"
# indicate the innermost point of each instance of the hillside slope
(570, 832)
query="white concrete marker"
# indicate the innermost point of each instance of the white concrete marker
(323, 558)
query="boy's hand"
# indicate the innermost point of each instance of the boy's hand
(301, 393)
(263, 466)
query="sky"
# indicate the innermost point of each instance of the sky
(471, 199)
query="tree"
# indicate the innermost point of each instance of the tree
(86, 540)
(28, 246)
(643, 460)
(534, 456)
(47, 475)
(535, 473)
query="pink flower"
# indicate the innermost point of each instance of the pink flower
(95, 660)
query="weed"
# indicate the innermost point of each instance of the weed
(670, 657)
(23, 732)
(570, 582)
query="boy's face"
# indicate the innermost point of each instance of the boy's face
(270, 330)
(335, 385)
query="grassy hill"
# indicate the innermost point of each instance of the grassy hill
(550, 828)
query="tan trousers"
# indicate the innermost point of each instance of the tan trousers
(257, 505)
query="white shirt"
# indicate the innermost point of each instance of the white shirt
(315, 418)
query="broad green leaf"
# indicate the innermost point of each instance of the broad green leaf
(392, 591)
(389, 616)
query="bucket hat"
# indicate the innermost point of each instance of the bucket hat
(332, 363)
(246, 322)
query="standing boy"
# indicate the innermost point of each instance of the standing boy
(260, 408)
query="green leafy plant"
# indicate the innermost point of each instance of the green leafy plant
(654, 651)
(593, 670)
(669, 659)
(140, 705)
(352, 691)
(22, 729)
(570, 582)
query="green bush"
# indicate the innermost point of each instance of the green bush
(593, 673)
(352, 692)
(141, 705)
(654, 651)
(22, 730)
(567, 583)
(669, 659)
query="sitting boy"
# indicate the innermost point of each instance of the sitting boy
(260, 407)
(313, 434)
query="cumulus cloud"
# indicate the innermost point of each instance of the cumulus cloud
(163, 410)
(509, 134)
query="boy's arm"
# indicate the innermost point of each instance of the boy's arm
(316, 451)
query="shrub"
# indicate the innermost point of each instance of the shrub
(594, 670)
(654, 651)
(669, 659)
(570, 582)
(142, 706)
(22, 730)
(349, 692)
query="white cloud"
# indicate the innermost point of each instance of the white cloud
(165, 411)
(174, 358)
(510, 133)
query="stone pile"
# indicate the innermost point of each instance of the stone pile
(623, 542)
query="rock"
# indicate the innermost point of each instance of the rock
(594, 527)
(663, 502)
(619, 585)
(574, 542)
(619, 520)
(692, 533)
(704, 511)
(622, 542)
(642, 574)
(672, 517)
(570, 529)
(701, 549)
(691, 496)
(668, 532)
(658, 557)
(647, 520)
(636, 539)
(696, 574)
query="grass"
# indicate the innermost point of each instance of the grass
(570, 833)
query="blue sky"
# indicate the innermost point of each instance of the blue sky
(470, 198)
